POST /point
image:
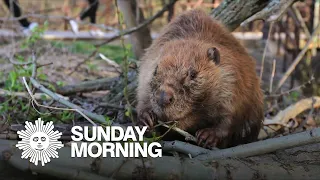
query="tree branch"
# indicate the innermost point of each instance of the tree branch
(184, 148)
(88, 86)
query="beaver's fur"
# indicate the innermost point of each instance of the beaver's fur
(198, 74)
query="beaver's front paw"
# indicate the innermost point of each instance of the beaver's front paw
(146, 118)
(208, 138)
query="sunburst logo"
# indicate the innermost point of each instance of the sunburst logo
(39, 142)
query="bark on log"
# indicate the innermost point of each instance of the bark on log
(296, 163)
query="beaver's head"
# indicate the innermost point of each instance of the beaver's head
(187, 73)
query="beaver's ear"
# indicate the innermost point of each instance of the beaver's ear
(214, 55)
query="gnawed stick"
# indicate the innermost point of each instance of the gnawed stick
(188, 137)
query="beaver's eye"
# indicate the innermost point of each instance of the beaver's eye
(192, 74)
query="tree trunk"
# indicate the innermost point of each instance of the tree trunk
(133, 16)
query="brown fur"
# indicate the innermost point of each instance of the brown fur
(223, 105)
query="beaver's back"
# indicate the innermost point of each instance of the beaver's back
(197, 24)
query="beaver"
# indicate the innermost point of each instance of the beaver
(197, 74)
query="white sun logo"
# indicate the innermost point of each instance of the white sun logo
(39, 142)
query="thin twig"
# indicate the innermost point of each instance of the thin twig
(46, 64)
(12, 61)
(188, 137)
(111, 63)
(34, 63)
(169, 129)
(265, 50)
(290, 90)
(272, 75)
(33, 75)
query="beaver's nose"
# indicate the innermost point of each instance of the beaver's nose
(165, 98)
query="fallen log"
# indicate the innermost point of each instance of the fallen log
(286, 164)
(265, 146)
(88, 86)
